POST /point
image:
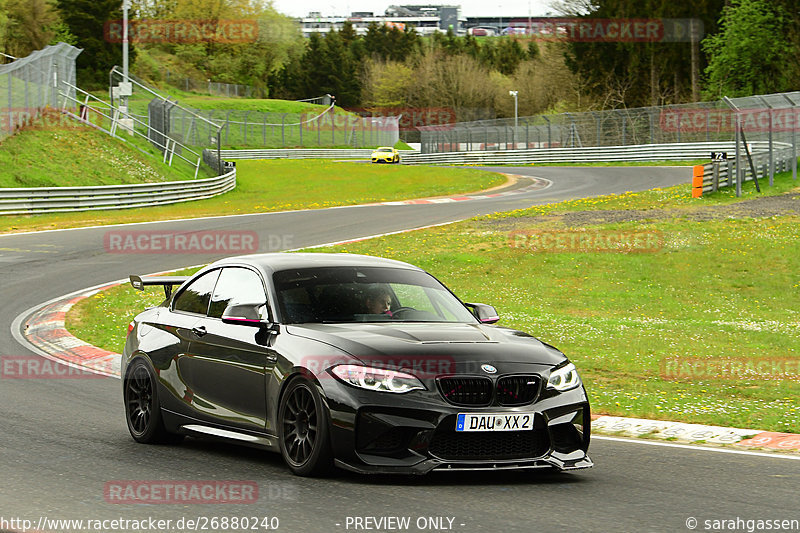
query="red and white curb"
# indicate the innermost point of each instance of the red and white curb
(45, 330)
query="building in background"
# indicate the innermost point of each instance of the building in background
(425, 19)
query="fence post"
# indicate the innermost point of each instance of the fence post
(794, 153)
(771, 156)
(738, 162)
(651, 122)
(227, 125)
(794, 142)
(715, 180)
(10, 103)
(527, 134)
(283, 131)
(624, 130)
(549, 133)
(596, 129)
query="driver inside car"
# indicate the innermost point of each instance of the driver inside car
(378, 301)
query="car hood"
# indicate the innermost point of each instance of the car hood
(461, 342)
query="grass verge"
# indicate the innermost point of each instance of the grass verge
(74, 156)
(719, 288)
(303, 184)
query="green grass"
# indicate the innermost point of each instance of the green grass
(303, 184)
(196, 101)
(678, 196)
(90, 318)
(75, 155)
(716, 290)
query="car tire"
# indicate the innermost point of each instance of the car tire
(303, 430)
(142, 407)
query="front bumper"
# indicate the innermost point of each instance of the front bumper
(414, 433)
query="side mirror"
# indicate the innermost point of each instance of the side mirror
(245, 315)
(486, 314)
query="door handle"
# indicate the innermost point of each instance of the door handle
(199, 330)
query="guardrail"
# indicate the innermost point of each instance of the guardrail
(299, 153)
(710, 177)
(641, 152)
(17, 201)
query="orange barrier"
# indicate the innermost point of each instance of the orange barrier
(697, 181)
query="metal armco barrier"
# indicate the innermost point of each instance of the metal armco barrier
(18, 201)
(300, 153)
(710, 177)
(642, 152)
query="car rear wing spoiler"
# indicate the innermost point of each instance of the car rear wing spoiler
(168, 282)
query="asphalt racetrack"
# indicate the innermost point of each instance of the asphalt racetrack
(64, 441)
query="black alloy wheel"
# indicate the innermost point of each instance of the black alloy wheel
(304, 436)
(142, 410)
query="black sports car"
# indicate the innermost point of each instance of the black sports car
(364, 363)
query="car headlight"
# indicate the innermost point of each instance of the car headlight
(564, 378)
(377, 379)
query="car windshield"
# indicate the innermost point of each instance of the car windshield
(365, 294)
(384, 150)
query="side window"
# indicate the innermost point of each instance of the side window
(195, 297)
(236, 286)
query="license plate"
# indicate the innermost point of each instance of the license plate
(493, 422)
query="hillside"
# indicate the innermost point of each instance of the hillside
(56, 153)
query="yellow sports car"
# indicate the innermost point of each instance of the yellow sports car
(385, 154)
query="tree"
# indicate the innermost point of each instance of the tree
(509, 55)
(747, 56)
(86, 19)
(458, 83)
(386, 84)
(629, 74)
(28, 25)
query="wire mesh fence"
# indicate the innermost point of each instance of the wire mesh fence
(30, 85)
(215, 88)
(329, 128)
(683, 123)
